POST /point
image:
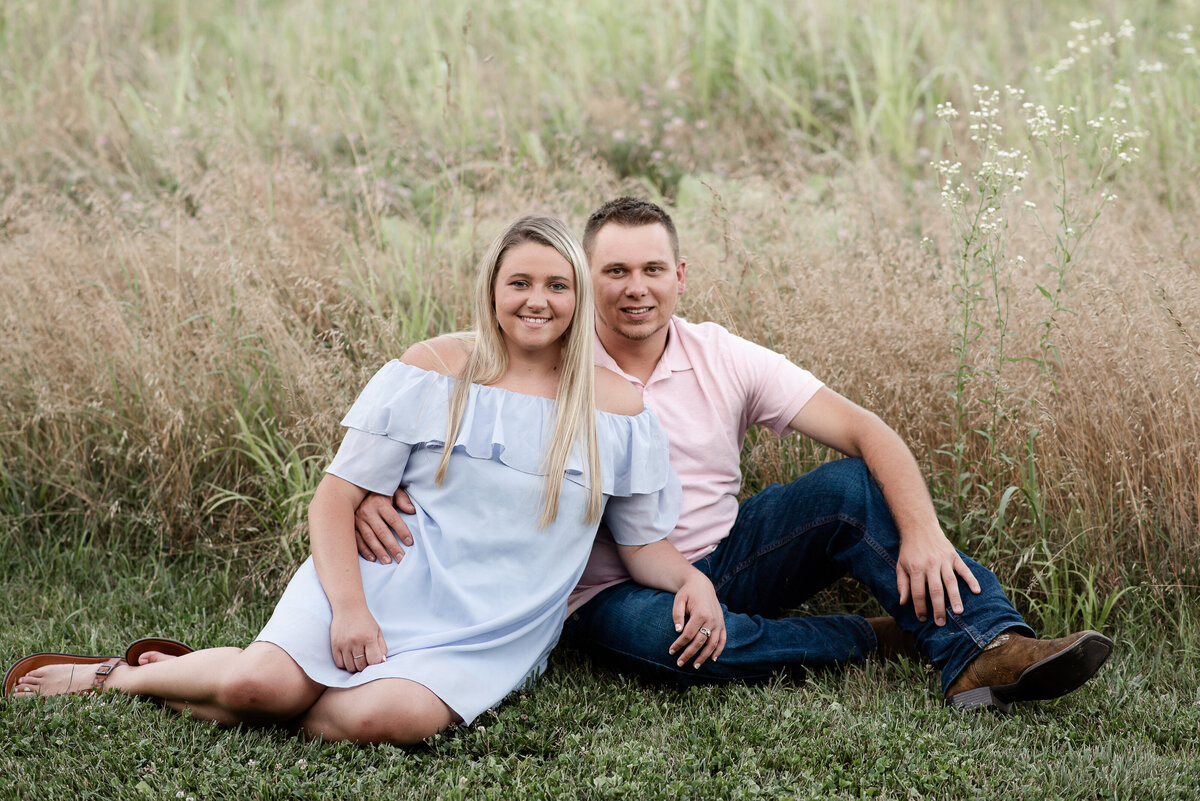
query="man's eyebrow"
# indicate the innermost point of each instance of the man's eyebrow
(650, 263)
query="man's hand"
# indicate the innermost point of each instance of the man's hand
(928, 571)
(696, 612)
(375, 520)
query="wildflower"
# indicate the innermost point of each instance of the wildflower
(1029, 204)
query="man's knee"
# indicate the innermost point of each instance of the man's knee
(637, 621)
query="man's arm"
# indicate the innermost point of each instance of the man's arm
(928, 562)
(374, 521)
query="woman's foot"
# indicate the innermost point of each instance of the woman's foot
(148, 657)
(67, 678)
(155, 649)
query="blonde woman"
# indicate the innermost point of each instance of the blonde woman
(541, 444)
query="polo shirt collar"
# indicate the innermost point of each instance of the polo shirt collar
(673, 360)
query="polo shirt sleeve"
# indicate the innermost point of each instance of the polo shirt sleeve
(775, 388)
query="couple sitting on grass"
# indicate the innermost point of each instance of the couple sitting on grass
(495, 457)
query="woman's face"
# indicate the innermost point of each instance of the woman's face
(535, 296)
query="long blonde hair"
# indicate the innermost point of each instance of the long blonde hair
(575, 401)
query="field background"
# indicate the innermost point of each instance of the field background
(218, 218)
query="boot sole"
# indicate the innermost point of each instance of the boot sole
(1054, 676)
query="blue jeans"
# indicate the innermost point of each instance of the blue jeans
(789, 542)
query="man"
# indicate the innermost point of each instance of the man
(869, 516)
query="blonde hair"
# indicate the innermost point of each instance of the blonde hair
(575, 401)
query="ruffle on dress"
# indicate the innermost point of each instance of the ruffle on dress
(409, 405)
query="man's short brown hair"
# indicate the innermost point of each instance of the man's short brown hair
(630, 212)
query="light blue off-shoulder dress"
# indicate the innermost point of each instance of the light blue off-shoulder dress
(477, 603)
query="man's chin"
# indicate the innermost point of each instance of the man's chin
(637, 333)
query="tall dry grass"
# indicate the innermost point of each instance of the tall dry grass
(216, 222)
(835, 276)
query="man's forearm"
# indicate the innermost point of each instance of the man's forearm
(895, 470)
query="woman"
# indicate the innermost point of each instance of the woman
(542, 443)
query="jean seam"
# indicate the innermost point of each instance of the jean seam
(775, 545)
(980, 640)
(675, 669)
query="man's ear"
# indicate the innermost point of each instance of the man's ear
(680, 269)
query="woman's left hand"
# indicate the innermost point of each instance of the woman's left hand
(356, 640)
(700, 620)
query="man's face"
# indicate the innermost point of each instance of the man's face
(637, 281)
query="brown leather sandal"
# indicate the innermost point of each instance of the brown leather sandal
(35, 661)
(160, 644)
(106, 663)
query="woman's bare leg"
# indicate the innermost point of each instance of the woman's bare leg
(393, 711)
(227, 685)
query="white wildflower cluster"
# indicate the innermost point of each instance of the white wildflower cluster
(978, 196)
(1184, 38)
(1122, 94)
(1090, 36)
(954, 192)
(1085, 37)
(1011, 166)
(1045, 127)
(984, 128)
(946, 111)
(1062, 66)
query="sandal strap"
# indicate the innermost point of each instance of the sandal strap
(103, 671)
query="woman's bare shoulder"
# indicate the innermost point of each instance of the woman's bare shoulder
(616, 395)
(446, 354)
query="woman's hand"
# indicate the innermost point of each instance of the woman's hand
(356, 640)
(700, 620)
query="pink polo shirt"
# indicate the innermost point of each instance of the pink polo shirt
(707, 389)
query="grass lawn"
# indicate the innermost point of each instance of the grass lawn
(877, 730)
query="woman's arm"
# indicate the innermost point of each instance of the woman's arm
(354, 635)
(696, 611)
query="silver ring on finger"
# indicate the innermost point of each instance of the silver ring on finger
(359, 656)
(707, 632)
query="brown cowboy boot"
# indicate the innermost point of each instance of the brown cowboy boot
(1016, 668)
(894, 642)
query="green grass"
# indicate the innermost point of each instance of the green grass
(875, 730)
